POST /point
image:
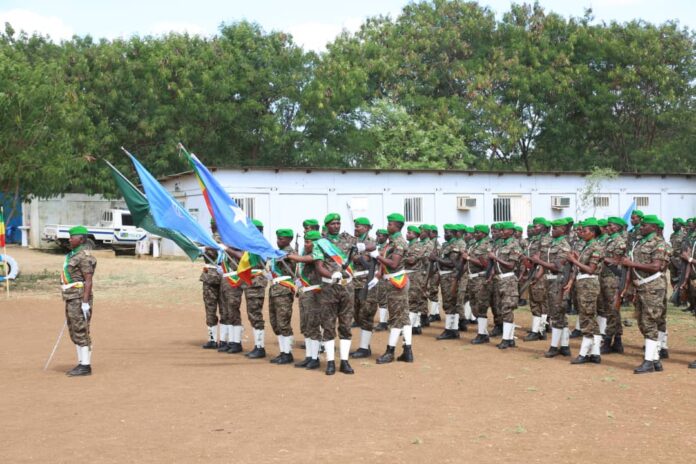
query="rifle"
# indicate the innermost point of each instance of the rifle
(432, 269)
(297, 244)
(530, 279)
(624, 282)
(458, 276)
(371, 267)
(676, 297)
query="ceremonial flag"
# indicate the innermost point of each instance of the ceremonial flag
(334, 253)
(627, 215)
(235, 228)
(140, 211)
(168, 213)
(2, 230)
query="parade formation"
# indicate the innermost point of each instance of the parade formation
(342, 281)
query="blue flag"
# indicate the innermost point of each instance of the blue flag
(235, 228)
(627, 215)
(168, 213)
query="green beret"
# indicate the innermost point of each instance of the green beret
(496, 225)
(678, 221)
(78, 230)
(569, 220)
(559, 222)
(310, 223)
(312, 235)
(433, 228)
(602, 223)
(691, 219)
(637, 212)
(470, 230)
(332, 217)
(257, 223)
(539, 220)
(363, 221)
(382, 231)
(589, 222)
(414, 229)
(652, 219)
(616, 220)
(285, 233)
(518, 228)
(661, 224)
(423, 227)
(505, 225)
(396, 217)
(482, 228)
(449, 227)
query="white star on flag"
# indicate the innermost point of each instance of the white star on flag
(239, 215)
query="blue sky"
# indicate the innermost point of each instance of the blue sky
(312, 22)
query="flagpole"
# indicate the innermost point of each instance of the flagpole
(4, 252)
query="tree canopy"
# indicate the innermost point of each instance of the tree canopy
(444, 85)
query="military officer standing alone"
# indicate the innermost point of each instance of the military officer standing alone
(76, 288)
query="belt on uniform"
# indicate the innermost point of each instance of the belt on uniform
(360, 273)
(478, 274)
(343, 282)
(72, 285)
(444, 272)
(639, 282)
(310, 288)
(505, 276)
(586, 276)
(230, 274)
(210, 266)
(393, 274)
(280, 279)
(551, 276)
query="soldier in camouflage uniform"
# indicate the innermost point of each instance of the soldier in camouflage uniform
(254, 295)
(415, 263)
(554, 262)
(393, 272)
(281, 296)
(506, 257)
(649, 255)
(76, 289)
(577, 244)
(478, 286)
(382, 236)
(588, 266)
(427, 246)
(364, 310)
(539, 245)
(676, 240)
(309, 288)
(447, 259)
(212, 298)
(689, 256)
(603, 306)
(337, 294)
(434, 285)
(307, 225)
(462, 317)
(614, 251)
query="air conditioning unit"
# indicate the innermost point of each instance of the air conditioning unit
(560, 202)
(466, 203)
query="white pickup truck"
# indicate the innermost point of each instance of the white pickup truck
(115, 230)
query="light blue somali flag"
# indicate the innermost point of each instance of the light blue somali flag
(235, 228)
(627, 215)
(168, 213)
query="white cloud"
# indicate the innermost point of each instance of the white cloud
(315, 35)
(30, 22)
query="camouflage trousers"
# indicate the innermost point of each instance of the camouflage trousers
(417, 301)
(556, 303)
(650, 306)
(254, 297)
(434, 288)
(336, 305)
(230, 301)
(212, 303)
(397, 304)
(608, 285)
(495, 302)
(508, 297)
(587, 291)
(382, 293)
(480, 290)
(78, 326)
(462, 294)
(662, 320)
(280, 300)
(365, 310)
(538, 300)
(449, 298)
(310, 315)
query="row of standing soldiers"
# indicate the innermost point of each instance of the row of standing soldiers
(341, 281)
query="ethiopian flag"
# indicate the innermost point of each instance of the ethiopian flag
(2, 229)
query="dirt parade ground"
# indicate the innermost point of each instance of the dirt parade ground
(156, 396)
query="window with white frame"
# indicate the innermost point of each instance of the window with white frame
(413, 209)
(642, 202)
(601, 202)
(501, 209)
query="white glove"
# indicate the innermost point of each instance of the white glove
(85, 310)
(268, 275)
(298, 283)
(374, 253)
(336, 277)
(371, 284)
(360, 247)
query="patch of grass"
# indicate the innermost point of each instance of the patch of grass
(417, 441)
(520, 429)
(532, 389)
(608, 379)
(610, 415)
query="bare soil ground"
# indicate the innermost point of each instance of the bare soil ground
(156, 396)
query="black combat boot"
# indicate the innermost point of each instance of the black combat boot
(576, 333)
(387, 357)
(497, 330)
(434, 318)
(234, 347)
(606, 345)
(617, 346)
(361, 353)
(647, 366)
(595, 358)
(481, 339)
(564, 351)
(210, 345)
(286, 358)
(580, 359)
(462, 325)
(692, 365)
(330, 368)
(448, 334)
(277, 359)
(382, 326)
(417, 331)
(505, 344)
(222, 347)
(304, 362)
(658, 366)
(407, 355)
(424, 320)
(552, 352)
(664, 353)
(533, 337)
(79, 371)
(257, 353)
(345, 367)
(313, 364)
